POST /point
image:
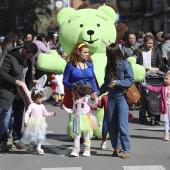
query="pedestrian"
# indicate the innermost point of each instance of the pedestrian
(16, 68)
(164, 105)
(29, 37)
(84, 119)
(79, 69)
(117, 108)
(165, 48)
(148, 55)
(103, 103)
(21, 40)
(8, 43)
(35, 122)
(43, 47)
(57, 88)
(131, 45)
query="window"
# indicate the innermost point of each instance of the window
(124, 0)
(3, 4)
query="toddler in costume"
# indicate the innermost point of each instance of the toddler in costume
(164, 104)
(35, 122)
(84, 120)
(57, 87)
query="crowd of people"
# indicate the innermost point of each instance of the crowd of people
(81, 97)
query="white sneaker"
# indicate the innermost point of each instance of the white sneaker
(103, 145)
(86, 153)
(74, 153)
(39, 152)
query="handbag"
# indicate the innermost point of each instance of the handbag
(88, 89)
(131, 93)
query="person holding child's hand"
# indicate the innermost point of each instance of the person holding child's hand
(118, 75)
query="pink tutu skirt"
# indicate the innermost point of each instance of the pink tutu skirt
(36, 129)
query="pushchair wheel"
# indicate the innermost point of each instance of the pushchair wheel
(153, 121)
(141, 117)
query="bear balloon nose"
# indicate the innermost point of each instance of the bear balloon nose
(90, 32)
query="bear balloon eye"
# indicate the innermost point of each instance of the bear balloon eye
(81, 25)
(98, 25)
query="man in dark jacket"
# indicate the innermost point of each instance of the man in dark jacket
(132, 45)
(16, 67)
(149, 56)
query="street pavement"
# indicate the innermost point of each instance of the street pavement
(148, 150)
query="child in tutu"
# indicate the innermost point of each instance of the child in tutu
(84, 120)
(35, 122)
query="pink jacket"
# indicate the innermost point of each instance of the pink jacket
(162, 101)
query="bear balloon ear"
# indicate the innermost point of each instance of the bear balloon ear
(64, 14)
(112, 6)
(109, 11)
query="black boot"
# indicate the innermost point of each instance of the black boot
(4, 147)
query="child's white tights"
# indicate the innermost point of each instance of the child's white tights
(166, 126)
(39, 143)
(86, 136)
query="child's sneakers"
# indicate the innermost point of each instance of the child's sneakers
(86, 153)
(103, 145)
(39, 152)
(166, 136)
(74, 154)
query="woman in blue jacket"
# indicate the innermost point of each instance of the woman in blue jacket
(118, 75)
(80, 69)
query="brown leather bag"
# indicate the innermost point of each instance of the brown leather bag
(132, 95)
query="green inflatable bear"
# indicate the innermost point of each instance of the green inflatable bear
(92, 26)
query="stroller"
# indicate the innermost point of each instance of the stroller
(150, 100)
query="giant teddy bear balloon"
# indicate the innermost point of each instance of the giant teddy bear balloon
(94, 27)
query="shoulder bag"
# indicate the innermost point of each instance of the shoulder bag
(131, 93)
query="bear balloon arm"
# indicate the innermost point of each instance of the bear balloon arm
(51, 62)
(138, 70)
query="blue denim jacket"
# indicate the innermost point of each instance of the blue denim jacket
(125, 76)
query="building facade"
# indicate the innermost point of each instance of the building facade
(145, 15)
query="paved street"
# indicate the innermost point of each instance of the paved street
(148, 151)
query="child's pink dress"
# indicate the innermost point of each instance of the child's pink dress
(84, 119)
(166, 116)
(35, 116)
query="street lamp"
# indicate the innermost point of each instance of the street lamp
(60, 3)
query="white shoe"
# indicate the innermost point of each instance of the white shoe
(74, 153)
(103, 145)
(39, 152)
(86, 153)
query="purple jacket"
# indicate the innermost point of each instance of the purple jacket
(162, 101)
(42, 48)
